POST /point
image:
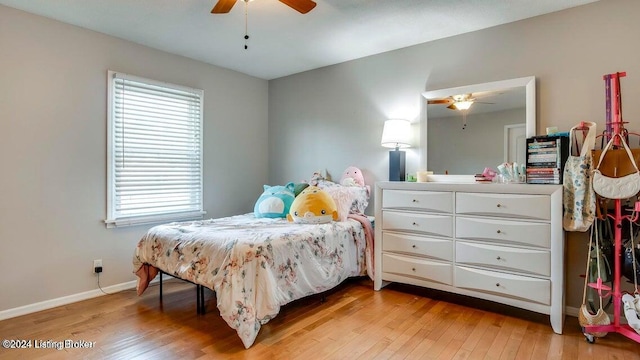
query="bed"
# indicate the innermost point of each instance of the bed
(256, 265)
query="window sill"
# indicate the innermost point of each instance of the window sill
(155, 219)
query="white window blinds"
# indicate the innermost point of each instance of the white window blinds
(155, 151)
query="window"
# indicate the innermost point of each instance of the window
(154, 151)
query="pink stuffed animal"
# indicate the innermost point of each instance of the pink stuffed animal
(352, 176)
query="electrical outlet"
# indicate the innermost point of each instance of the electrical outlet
(97, 266)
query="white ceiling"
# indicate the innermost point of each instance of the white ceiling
(282, 41)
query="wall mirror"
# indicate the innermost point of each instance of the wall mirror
(492, 130)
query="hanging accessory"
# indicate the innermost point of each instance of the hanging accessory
(616, 187)
(578, 196)
(604, 270)
(586, 318)
(630, 268)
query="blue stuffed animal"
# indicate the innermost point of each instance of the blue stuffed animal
(275, 201)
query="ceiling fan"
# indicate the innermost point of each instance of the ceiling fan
(458, 102)
(301, 6)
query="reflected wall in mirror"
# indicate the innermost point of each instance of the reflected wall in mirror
(491, 131)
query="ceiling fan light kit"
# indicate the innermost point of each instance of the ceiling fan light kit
(462, 105)
(462, 102)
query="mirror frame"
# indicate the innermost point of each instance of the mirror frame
(529, 82)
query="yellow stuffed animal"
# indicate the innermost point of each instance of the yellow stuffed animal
(313, 206)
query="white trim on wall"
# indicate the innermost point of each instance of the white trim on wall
(65, 300)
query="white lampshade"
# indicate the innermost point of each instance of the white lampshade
(396, 134)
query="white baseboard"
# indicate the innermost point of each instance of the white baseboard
(65, 300)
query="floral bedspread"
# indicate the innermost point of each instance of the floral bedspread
(255, 265)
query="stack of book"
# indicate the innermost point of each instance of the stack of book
(546, 156)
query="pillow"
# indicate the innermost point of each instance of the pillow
(275, 201)
(360, 199)
(359, 195)
(313, 206)
(343, 201)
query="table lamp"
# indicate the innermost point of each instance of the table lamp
(396, 134)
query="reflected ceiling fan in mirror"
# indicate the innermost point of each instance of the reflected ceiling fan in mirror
(301, 6)
(224, 6)
(460, 102)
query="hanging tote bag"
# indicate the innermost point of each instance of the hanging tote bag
(616, 187)
(579, 198)
(585, 317)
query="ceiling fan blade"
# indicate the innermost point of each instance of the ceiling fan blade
(439, 101)
(301, 6)
(223, 6)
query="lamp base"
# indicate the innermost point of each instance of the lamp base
(397, 165)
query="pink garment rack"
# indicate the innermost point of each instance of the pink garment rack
(615, 125)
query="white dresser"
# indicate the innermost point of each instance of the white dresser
(498, 242)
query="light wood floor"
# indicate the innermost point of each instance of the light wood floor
(354, 322)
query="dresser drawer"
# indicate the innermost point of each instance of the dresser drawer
(417, 245)
(435, 201)
(504, 257)
(440, 225)
(418, 268)
(516, 286)
(506, 231)
(504, 205)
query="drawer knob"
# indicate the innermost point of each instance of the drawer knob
(413, 246)
(413, 269)
(498, 284)
(498, 258)
(499, 232)
(499, 205)
(415, 223)
(414, 200)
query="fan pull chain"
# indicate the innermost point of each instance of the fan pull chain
(246, 21)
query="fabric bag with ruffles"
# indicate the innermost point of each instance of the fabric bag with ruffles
(578, 196)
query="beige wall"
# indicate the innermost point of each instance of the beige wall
(53, 133)
(332, 117)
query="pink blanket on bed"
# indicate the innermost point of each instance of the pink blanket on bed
(145, 273)
(368, 235)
